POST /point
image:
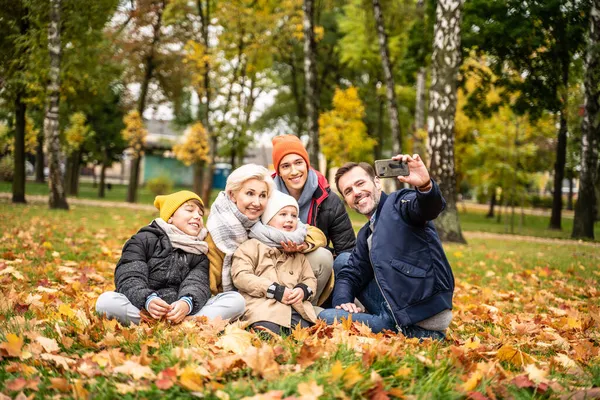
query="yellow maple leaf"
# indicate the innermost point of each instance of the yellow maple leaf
(514, 356)
(235, 339)
(472, 382)
(352, 376)
(13, 345)
(310, 390)
(191, 379)
(337, 372)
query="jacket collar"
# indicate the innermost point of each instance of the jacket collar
(322, 191)
(382, 200)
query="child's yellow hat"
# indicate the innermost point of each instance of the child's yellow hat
(168, 204)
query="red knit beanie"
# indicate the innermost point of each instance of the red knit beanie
(287, 144)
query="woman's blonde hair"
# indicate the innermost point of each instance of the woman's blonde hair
(236, 179)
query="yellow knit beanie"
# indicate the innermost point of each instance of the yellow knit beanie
(168, 204)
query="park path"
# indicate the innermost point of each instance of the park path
(468, 234)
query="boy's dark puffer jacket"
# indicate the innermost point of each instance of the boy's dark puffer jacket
(149, 264)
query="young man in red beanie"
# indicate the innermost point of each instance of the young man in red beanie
(319, 206)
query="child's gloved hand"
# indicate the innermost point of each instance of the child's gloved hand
(158, 308)
(179, 310)
(292, 296)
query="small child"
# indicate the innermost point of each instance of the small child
(164, 269)
(270, 271)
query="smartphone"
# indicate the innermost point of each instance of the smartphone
(391, 168)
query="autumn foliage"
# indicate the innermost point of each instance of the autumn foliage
(195, 148)
(135, 133)
(343, 132)
(528, 333)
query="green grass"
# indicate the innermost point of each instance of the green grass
(87, 191)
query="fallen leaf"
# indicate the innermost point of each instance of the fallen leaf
(49, 345)
(310, 390)
(13, 345)
(535, 374)
(262, 361)
(60, 361)
(192, 379)
(271, 395)
(472, 382)
(514, 356)
(60, 384)
(135, 370)
(235, 339)
(16, 385)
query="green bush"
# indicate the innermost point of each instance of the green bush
(537, 201)
(160, 185)
(7, 169)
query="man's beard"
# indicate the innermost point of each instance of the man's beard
(375, 196)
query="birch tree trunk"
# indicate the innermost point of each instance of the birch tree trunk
(420, 143)
(207, 169)
(583, 224)
(57, 198)
(389, 78)
(310, 75)
(446, 60)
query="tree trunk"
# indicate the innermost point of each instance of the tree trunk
(39, 159)
(570, 197)
(198, 186)
(148, 75)
(490, 213)
(420, 145)
(446, 58)
(101, 192)
(389, 78)
(202, 190)
(378, 148)
(310, 75)
(134, 179)
(597, 190)
(72, 173)
(18, 184)
(583, 224)
(57, 198)
(561, 152)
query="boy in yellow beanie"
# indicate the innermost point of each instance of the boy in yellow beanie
(164, 269)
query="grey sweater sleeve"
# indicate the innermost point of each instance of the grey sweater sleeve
(196, 284)
(131, 274)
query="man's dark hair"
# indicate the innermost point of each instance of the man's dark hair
(350, 165)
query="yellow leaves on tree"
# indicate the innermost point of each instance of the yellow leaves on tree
(77, 132)
(134, 133)
(7, 139)
(195, 147)
(198, 61)
(343, 132)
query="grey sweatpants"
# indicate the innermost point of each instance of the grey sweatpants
(227, 305)
(321, 262)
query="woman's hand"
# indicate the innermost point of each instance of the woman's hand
(158, 308)
(180, 309)
(292, 296)
(291, 247)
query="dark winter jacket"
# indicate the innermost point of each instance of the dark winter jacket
(406, 258)
(149, 264)
(327, 212)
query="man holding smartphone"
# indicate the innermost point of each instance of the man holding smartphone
(398, 269)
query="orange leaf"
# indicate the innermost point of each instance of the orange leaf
(192, 379)
(60, 384)
(16, 384)
(50, 345)
(310, 390)
(262, 361)
(13, 345)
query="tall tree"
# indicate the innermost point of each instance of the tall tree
(583, 224)
(14, 51)
(310, 79)
(389, 77)
(57, 196)
(194, 151)
(532, 45)
(446, 59)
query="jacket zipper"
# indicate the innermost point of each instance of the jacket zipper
(379, 286)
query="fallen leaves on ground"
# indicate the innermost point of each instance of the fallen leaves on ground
(534, 329)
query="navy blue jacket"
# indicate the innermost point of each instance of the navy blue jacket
(406, 259)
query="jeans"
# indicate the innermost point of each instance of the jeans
(379, 316)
